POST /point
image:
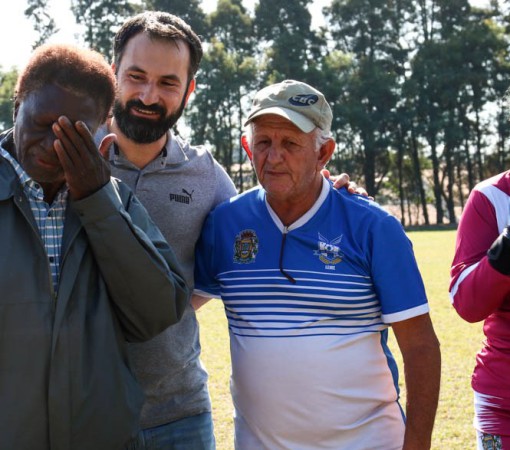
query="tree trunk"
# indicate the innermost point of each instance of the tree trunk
(417, 173)
(400, 158)
(437, 183)
(459, 184)
(469, 167)
(369, 164)
(239, 146)
(479, 158)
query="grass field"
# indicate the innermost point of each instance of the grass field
(459, 343)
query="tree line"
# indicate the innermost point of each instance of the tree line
(418, 87)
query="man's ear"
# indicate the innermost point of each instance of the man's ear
(191, 89)
(326, 152)
(246, 146)
(15, 110)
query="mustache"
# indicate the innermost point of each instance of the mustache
(152, 108)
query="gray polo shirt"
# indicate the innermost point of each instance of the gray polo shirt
(178, 188)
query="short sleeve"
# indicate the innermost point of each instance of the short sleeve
(205, 275)
(395, 273)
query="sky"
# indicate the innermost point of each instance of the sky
(17, 34)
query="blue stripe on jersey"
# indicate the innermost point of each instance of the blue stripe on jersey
(260, 302)
(369, 273)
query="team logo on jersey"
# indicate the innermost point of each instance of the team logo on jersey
(246, 247)
(329, 251)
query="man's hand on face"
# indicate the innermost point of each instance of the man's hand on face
(343, 180)
(86, 170)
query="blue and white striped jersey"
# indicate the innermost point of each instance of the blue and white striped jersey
(308, 309)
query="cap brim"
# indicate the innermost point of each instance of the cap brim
(302, 122)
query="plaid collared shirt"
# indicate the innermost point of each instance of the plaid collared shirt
(49, 218)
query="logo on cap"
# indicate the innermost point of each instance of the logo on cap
(304, 100)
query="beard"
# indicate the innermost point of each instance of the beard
(140, 129)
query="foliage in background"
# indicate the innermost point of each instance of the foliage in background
(189, 10)
(289, 48)
(417, 86)
(37, 12)
(7, 85)
(227, 77)
(100, 20)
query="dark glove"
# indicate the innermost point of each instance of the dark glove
(499, 253)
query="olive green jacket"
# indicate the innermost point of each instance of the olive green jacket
(64, 379)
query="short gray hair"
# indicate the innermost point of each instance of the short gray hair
(321, 136)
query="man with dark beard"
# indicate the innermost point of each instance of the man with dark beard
(143, 130)
(156, 56)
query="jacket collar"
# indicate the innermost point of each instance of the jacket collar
(9, 181)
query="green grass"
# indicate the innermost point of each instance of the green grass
(459, 343)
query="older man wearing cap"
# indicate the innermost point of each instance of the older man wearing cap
(311, 279)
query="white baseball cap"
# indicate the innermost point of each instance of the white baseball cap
(296, 101)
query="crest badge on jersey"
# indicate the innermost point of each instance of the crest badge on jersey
(329, 250)
(246, 247)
